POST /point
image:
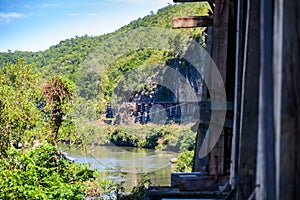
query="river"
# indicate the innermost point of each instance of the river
(127, 163)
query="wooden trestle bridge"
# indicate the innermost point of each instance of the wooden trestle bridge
(256, 47)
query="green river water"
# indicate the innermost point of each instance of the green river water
(127, 163)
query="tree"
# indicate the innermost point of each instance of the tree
(58, 94)
(20, 119)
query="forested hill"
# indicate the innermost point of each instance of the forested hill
(73, 90)
(66, 57)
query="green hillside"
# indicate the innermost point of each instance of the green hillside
(88, 60)
(83, 72)
(67, 56)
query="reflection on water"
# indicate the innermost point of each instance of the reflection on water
(111, 160)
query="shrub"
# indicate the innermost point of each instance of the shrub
(169, 137)
(42, 173)
(185, 162)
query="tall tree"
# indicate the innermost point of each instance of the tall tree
(58, 94)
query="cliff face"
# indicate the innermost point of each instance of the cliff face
(172, 96)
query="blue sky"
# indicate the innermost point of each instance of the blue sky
(33, 25)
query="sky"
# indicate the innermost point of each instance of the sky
(35, 25)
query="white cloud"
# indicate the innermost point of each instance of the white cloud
(7, 17)
(47, 5)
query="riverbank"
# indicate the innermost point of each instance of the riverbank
(172, 137)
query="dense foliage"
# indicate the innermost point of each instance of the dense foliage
(29, 111)
(42, 173)
(168, 137)
(30, 173)
(20, 118)
(185, 161)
